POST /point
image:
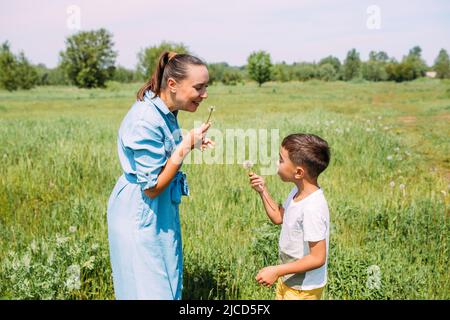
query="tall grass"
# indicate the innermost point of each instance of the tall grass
(388, 194)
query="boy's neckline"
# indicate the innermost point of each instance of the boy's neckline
(309, 195)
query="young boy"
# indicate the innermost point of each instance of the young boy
(303, 244)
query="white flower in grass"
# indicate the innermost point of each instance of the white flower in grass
(33, 246)
(26, 261)
(73, 229)
(392, 184)
(385, 128)
(73, 277)
(380, 117)
(61, 240)
(396, 149)
(89, 264)
(408, 153)
(402, 188)
(389, 157)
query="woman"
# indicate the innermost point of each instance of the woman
(143, 217)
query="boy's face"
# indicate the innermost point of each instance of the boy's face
(287, 170)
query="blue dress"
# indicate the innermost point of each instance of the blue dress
(144, 234)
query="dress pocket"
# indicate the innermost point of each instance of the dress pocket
(146, 212)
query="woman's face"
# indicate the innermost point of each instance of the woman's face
(191, 91)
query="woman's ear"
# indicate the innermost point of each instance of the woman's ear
(172, 85)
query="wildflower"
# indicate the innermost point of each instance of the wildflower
(73, 229)
(392, 184)
(396, 149)
(211, 110)
(61, 240)
(247, 165)
(89, 264)
(389, 157)
(402, 187)
(73, 277)
(26, 261)
(33, 246)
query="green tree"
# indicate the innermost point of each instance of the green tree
(259, 67)
(216, 71)
(148, 57)
(335, 62)
(16, 72)
(414, 63)
(231, 76)
(89, 58)
(375, 68)
(326, 72)
(304, 71)
(442, 65)
(281, 72)
(124, 75)
(352, 65)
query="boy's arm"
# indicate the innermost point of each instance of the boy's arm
(273, 210)
(315, 259)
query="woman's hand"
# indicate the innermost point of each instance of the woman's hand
(257, 182)
(196, 138)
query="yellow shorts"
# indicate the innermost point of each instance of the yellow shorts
(283, 292)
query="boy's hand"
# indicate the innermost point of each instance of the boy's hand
(257, 182)
(267, 276)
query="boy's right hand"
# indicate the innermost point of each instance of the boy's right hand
(257, 182)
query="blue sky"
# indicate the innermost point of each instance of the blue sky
(230, 30)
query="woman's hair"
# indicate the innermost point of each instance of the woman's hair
(170, 65)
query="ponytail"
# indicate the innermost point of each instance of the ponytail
(170, 65)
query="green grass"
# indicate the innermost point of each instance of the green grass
(59, 164)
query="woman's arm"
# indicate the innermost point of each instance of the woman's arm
(170, 169)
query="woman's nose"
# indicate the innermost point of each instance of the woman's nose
(204, 95)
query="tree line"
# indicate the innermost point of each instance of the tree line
(89, 61)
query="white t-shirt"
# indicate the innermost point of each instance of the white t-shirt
(304, 221)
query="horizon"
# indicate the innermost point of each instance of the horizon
(321, 28)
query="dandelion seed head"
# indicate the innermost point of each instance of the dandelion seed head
(401, 186)
(73, 229)
(392, 184)
(247, 164)
(389, 157)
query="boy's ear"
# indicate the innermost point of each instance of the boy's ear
(299, 173)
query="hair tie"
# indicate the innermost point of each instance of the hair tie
(171, 55)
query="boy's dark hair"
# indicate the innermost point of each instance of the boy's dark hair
(308, 150)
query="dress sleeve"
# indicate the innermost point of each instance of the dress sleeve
(147, 143)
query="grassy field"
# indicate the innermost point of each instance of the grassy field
(387, 187)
